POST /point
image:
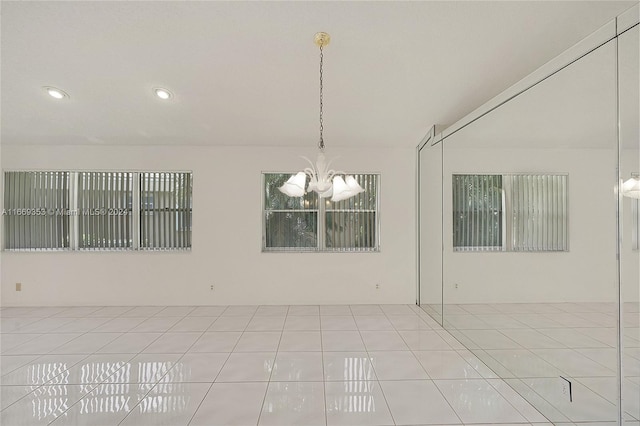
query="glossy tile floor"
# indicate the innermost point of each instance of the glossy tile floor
(244, 365)
(531, 345)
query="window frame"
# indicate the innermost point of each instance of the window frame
(321, 227)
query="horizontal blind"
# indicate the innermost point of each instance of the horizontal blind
(477, 212)
(165, 210)
(351, 224)
(290, 223)
(36, 212)
(538, 204)
(105, 210)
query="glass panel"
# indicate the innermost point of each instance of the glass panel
(537, 319)
(351, 230)
(289, 222)
(351, 224)
(629, 59)
(294, 230)
(276, 200)
(430, 227)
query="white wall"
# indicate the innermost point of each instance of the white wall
(584, 274)
(226, 236)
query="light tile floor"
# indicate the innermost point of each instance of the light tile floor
(245, 365)
(531, 345)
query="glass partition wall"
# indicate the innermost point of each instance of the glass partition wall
(430, 210)
(629, 112)
(520, 227)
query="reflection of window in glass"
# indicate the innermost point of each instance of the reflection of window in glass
(510, 212)
(477, 212)
(308, 223)
(538, 205)
(35, 210)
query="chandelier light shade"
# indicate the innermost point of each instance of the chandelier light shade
(631, 187)
(294, 187)
(323, 180)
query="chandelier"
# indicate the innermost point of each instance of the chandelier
(323, 180)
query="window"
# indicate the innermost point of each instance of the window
(165, 210)
(510, 212)
(105, 210)
(34, 207)
(98, 210)
(310, 223)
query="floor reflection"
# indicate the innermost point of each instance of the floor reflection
(129, 381)
(537, 343)
(357, 398)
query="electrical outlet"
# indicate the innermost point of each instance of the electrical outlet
(18, 286)
(211, 287)
(455, 285)
(377, 286)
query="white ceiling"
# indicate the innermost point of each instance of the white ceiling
(246, 73)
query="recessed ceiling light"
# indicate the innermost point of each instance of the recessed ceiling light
(54, 92)
(163, 94)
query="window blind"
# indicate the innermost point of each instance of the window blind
(477, 213)
(351, 224)
(538, 204)
(36, 210)
(165, 210)
(105, 210)
(510, 212)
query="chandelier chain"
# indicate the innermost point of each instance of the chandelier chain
(321, 142)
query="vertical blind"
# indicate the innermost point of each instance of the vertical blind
(105, 210)
(36, 210)
(510, 212)
(109, 210)
(477, 212)
(538, 206)
(351, 224)
(165, 210)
